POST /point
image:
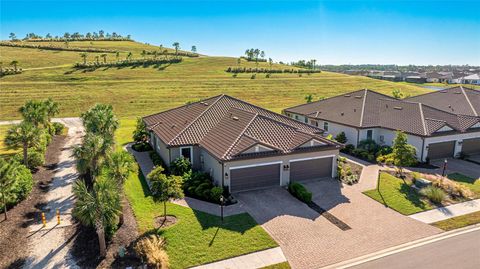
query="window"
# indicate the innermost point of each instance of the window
(296, 117)
(186, 152)
(369, 134)
(325, 126)
(382, 139)
(306, 120)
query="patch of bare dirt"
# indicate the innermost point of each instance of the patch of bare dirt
(162, 222)
(14, 232)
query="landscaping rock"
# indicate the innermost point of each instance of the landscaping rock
(422, 183)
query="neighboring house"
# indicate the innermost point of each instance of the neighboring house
(433, 77)
(471, 79)
(433, 130)
(240, 145)
(415, 79)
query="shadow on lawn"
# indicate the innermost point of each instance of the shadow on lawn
(412, 196)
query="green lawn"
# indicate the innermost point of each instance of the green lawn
(197, 237)
(471, 183)
(4, 150)
(398, 195)
(123, 136)
(458, 222)
(283, 265)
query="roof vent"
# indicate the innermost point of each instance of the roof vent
(443, 91)
(358, 96)
(235, 118)
(342, 113)
(458, 93)
(347, 95)
(354, 110)
(173, 126)
(398, 107)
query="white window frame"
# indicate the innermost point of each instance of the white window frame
(366, 135)
(191, 153)
(326, 126)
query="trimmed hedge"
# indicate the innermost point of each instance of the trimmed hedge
(300, 192)
(133, 62)
(200, 185)
(142, 147)
(268, 70)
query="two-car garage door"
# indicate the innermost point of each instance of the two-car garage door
(257, 176)
(471, 146)
(441, 150)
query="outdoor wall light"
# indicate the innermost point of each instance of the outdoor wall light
(460, 142)
(286, 167)
(226, 175)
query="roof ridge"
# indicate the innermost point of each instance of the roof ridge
(239, 136)
(182, 106)
(468, 101)
(318, 101)
(198, 117)
(363, 107)
(423, 118)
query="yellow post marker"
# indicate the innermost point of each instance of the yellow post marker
(44, 221)
(58, 216)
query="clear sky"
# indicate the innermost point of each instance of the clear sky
(333, 32)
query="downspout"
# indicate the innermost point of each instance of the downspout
(423, 148)
(358, 137)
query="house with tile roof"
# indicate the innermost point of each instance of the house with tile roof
(241, 145)
(439, 124)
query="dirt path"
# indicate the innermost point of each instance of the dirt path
(48, 246)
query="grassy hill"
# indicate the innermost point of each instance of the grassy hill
(138, 91)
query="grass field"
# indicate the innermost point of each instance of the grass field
(398, 195)
(140, 91)
(4, 150)
(458, 222)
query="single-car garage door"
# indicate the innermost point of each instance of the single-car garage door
(471, 146)
(441, 150)
(310, 169)
(249, 178)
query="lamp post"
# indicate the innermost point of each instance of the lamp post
(222, 203)
(444, 167)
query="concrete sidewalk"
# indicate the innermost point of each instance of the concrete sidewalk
(254, 260)
(443, 213)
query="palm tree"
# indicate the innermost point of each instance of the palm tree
(7, 182)
(97, 59)
(92, 154)
(262, 54)
(309, 98)
(104, 56)
(120, 165)
(99, 207)
(14, 63)
(129, 55)
(313, 63)
(84, 57)
(51, 108)
(23, 135)
(12, 36)
(35, 112)
(176, 45)
(100, 120)
(194, 49)
(117, 55)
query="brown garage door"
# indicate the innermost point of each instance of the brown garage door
(310, 169)
(250, 178)
(471, 146)
(441, 150)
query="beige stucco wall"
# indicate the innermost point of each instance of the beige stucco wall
(212, 166)
(161, 149)
(284, 159)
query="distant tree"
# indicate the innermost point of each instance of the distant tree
(262, 54)
(88, 35)
(194, 49)
(99, 207)
(51, 109)
(101, 34)
(48, 36)
(143, 53)
(165, 187)
(314, 62)
(7, 182)
(97, 59)
(14, 63)
(12, 36)
(270, 62)
(24, 135)
(309, 98)
(84, 57)
(176, 45)
(129, 55)
(66, 35)
(239, 61)
(397, 94)
(66, 44)
(104, 56)
(155, 54)
(117, 55)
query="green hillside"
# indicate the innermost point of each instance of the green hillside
(137, 91)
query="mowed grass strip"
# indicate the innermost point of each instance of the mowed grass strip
(5, 151)
(197, 237)
(398, 195)
(458, 222)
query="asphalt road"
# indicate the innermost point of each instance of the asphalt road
(458, 252)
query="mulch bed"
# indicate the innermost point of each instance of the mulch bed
(161, 222)
(85, 245)
(14, 231)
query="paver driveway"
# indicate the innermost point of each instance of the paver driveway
(310, 241)
(460, 166)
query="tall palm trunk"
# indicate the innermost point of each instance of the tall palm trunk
(165, 211)
(101, 238)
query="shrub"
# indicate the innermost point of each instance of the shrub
(22, 187)
(35, 158)
(156, 159)
(142, 147)
(348, 149)
(151, 250)
(341, 137)
(253, 76)
(350, 179)
(140, 134)
(57, 128)
(300, 192)
(200, 185)
(434, 194)
(180, 166)
(216, 193)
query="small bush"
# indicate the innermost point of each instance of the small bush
(35, 158)
(342, 138)
(350, 179)
(22, 187)
(151, 250)
(57, 128)
(216, 193)
(348, 149)
(300, 192)
(156, 159)
(180, 166)
(253, 76)
(434, 194)
(142, 147)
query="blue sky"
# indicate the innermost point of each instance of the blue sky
(333, 32)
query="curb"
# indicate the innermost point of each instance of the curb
(402, 247)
